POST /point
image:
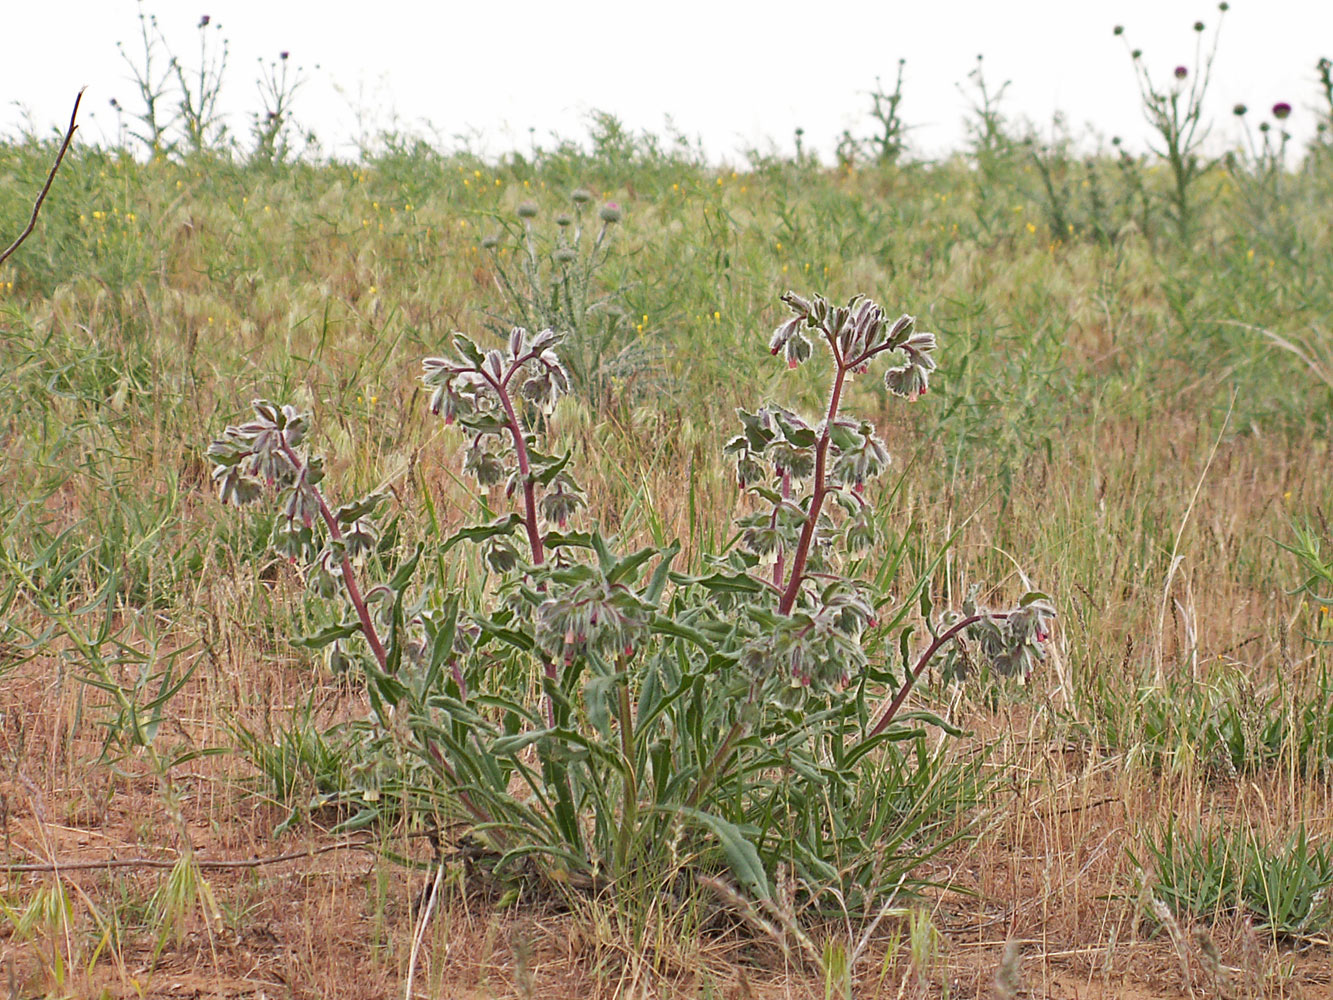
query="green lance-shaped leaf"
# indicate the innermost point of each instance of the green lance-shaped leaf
(742, 856)
(481, 532)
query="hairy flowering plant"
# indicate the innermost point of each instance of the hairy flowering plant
(596, 717)
(803, 531)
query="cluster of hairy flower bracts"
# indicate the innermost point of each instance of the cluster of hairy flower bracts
(777, 443)
(587, 613)
(477, 388)
(814, 650)
(777, 451)
(266, 453)
(259, 452)
(1011, 643)
(856, 334)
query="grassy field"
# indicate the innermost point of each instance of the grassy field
(1135, 424)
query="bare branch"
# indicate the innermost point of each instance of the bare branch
(37, 205)
(205, 864)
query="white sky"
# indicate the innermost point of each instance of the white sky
(735, 75)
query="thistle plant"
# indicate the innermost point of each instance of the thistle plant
(1176, 114)
(195, 92)
(1258, 170)
(153, 86)
(200, 89)
(993, 147)
(886, 146)
(546, 268)
(594, 716)
(1324, 126)
(271, 127)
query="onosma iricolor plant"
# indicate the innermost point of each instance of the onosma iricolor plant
(598, 715)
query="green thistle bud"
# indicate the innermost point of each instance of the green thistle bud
(581, 196)
(527, 210)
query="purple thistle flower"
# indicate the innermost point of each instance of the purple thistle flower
(1181, 72)
(1281, 110)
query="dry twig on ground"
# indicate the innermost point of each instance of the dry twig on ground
(203, 863)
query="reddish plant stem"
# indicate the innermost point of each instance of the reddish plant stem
(501, 388)
(524, 467)
(821, 491)
(910, 681)
(349, 578)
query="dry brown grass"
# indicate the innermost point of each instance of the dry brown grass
(1050, 870)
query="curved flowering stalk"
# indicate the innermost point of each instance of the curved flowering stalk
(477, 389)
(838, 455)
(264, 452)
(1010, 641)
(816, 641)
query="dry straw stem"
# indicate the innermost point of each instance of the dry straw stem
(420, 934)
(1177, 558)
(37, 205)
